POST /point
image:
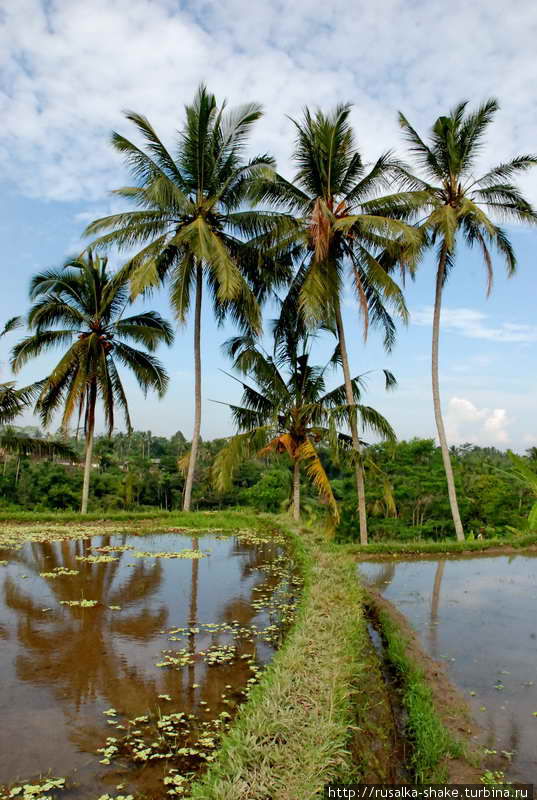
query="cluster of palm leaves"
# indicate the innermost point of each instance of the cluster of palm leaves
(208, 219)
(81, 306)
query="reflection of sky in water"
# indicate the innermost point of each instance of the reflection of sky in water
(480, 615)
(60, 669)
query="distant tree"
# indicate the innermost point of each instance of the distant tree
(528, 477)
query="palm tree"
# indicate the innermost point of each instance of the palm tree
(13, 402)
(288, 411)
(339, 230)
(190, 223)
(87, 302)
(453, 205)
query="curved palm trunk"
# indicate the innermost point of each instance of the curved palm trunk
(90, 427)
(436, 400)
(187, 499)
(353, 422)
(296, 490)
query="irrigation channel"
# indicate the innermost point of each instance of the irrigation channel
(123, 658)
(477, 615)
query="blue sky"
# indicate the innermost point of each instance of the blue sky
(70, 68)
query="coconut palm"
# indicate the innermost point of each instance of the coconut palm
(288, 411)
(339, 234)
(80, 306)
(13, 402)
(190, 224)
(454, 207)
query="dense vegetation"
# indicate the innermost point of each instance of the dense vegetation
(209, 220)
(406, 495)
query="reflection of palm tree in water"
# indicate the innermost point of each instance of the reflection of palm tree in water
(213, 681)
(74, 650)
(192, 621)
(435, 604)
(384, 577)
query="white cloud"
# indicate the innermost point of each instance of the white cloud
(465, 422)
(70, 67)
(473, 324)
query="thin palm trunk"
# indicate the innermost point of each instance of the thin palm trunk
(296, 491)
(353, 423)
(197, 390)
(92, 399)
(436, 399)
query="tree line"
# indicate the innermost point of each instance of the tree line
(206, 220)
(405, 484)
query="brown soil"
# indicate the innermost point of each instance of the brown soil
(376, 744)
(449, 702)
(506, 550)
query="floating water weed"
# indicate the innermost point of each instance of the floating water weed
(35, 791)
(97, 559)
(191, 554)
(58, 572)
(80, 603)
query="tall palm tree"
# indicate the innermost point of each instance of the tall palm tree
(191, 224)
(454, 206)
(340, 231)
(81, 305)
(288, 411)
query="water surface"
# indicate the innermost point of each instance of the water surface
(62, 666)
(478, 614)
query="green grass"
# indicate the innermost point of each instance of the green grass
(293, 734)
(297, 731)
(195, 519)
(431, 742)
(419, 547)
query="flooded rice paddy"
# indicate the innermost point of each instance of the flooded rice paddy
(123, 658)
(479, 615)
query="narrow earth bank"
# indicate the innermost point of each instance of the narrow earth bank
(453, 758)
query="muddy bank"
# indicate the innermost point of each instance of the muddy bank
(404, 555)
(449, 703)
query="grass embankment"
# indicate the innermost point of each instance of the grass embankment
(321, 711)
(294, 733)
(431, 743)
(196, 519)
(419, 547)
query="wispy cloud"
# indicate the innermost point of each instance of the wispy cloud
(475, 325)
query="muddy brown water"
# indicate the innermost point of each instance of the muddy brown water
(479, 615)
(62, 667)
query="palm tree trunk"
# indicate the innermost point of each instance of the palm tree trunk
(296, 491)
(436, 399)
(353, 422)
(197, 392)
(92, 399)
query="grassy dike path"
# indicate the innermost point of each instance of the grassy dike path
(292, 736)
(321, 712)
